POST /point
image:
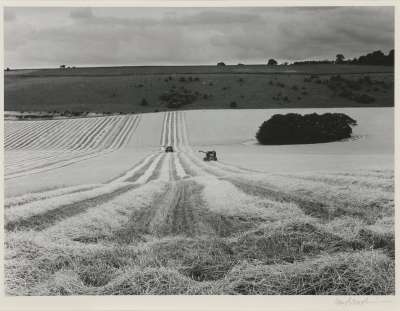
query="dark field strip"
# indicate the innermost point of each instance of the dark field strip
(42, 221)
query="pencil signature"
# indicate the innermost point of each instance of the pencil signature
(361, 300)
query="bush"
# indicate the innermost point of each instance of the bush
(294, 128)
(178, 98)
(233, 104)
(144, 102)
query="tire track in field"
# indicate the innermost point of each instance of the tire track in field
(145, 171)
(251, 187)
(180, 210)
(59, 208)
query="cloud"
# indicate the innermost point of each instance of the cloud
(150, 36)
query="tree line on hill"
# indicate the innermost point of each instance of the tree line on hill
(374, 58)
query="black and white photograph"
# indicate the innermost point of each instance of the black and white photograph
(199, 150)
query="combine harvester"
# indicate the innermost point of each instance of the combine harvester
(209, 155)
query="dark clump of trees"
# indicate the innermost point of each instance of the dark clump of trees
(272, 62)
(175, 99)
(294, 128)
(374, 58)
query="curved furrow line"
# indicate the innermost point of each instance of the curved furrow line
(68, 155)
(179, 169)
(84, 144)
(163, 131)
(136, 171)
(363, 182)
(41, 214)
(168, 129)
(167, 140)
(249, 186)
(100, 136)
(130, 175)
(103, 133)
(13, 134)
(88, 131)
(59, 139)
(24, 156)
(173, 133)
(80, 132)
(22, 132)
(50, 126)
(42, 195)
(25, 137)
(104, 222)
(90, 134)
(59, 164)
(317, 201)
(112, 134)
(47, 139)
(129, 132)
(132, 131)
(13, 126)
(23, 164)
(122, 133)
(314, 198)
(69, 136)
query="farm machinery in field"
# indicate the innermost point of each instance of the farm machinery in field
(209, 155)
(169, 149)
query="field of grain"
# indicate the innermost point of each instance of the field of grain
(94, 206)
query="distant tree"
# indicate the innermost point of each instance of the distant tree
(8, 69)
(221, 64)
(339, 59)
(62, 66)
(390, 58)
(272, 62)
(144, 102)
(240, 64)
(233, 104)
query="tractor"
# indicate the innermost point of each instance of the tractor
(169, 149)
(209, 155)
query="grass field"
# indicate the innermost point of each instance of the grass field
(96, 207)
(121, 89)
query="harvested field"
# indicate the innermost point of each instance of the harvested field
(94, 206)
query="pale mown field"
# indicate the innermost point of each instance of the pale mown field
(95, 207)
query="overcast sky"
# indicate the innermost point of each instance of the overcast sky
(48, 37)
